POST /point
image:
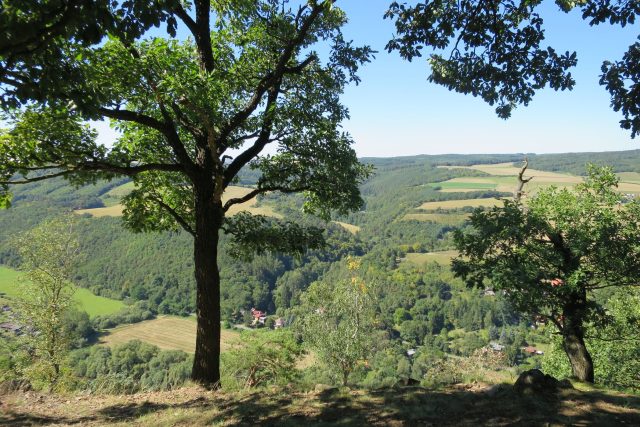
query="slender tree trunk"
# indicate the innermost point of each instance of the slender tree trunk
(206, 361)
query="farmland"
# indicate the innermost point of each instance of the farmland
(113, 207)
(94, 305)
(353, 229)
(444, 219)
(443, 257)
(503, 178)
(457, 204)
(166, 332)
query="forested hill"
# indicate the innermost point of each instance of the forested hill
(399, 222)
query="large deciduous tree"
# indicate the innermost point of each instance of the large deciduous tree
(192, 113)
(495, 49)
(552, 256)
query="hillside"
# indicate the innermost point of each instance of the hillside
(402, 236)
(475, 404)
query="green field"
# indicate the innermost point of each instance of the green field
(94, 305)
(463, 186)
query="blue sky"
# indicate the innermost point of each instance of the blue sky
(395, 111)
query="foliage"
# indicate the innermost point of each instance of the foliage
(615, 347)
(135, 313)
(48, 253)
(552, 255)
(493, 49)
(129, 368)
(337, 320)
(261, 358)
(248, 77)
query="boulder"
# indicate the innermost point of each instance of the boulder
(534, 381)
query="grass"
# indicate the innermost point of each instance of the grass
(353, 229)
(463, 185)
(455, 204)
(112, 199)
(463, 404)
(166, 332)
(94, 305)
(443, 257)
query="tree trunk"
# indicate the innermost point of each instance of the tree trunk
(579, 357)
(573, 341)
(206, 361)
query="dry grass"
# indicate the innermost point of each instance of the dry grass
(166, 332)
(115, 210)
(353, 229)
(455, 204)
(465, 404)
(231, 193)
(443, 257)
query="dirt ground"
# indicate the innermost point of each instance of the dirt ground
(463, 405)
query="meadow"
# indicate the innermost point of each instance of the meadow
(166, 332)
(94, 305)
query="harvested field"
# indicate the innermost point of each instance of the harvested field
(443, 257)
(456, 204)
(353, 229)
(232, 192)
(166, 332)
(444, 219)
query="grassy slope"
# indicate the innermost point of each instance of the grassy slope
(166, 332)
(94, 305)
(462, 405)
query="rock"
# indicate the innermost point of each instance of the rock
(534, 381)
(322, 388)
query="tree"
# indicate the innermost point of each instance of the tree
(493, 49)
(337, 321)
(553, 256)
(193, 113)
(48, 252)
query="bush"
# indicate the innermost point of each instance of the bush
(261, 358)
(129, 368)
(138, 312)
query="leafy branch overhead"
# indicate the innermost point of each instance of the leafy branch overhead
(494, 49)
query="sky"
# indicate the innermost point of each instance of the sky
(395, 111)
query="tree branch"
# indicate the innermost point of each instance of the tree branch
(179, 219)
(257, 191)
(274, 77)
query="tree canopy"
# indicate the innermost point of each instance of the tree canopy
(495, 49)
(192, 113)
(554, 254)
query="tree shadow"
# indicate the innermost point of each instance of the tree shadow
(499, 405)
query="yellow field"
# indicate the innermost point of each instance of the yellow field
(353, 229)
(166, 332)
(507, 169)
(443, 257)
(454, 204)
(446, 219)
(230, 193)
(115, 210)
